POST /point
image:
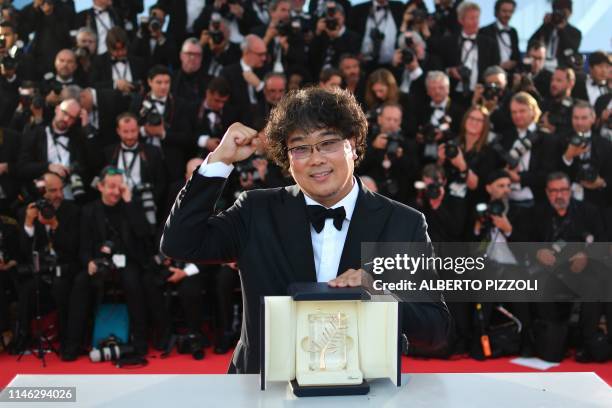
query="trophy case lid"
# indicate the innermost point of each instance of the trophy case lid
(321, 291)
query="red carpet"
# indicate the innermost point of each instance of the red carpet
(214, 364)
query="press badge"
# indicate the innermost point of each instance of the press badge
(457, 189)
(577, 192)
(119, 260)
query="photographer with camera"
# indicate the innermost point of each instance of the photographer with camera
(49, 22)
(151, 44)
(391, 158)
(65, 68)
(377, 22)
(467, 54)
(561, 38)
(116, 68)
(530, 73)
(408, 70)
(85, 49)
(562, 221)
(239, 14)
(30, 110)
(59, 148)
(528, 153)
(283, 37)
(585, 159)
(49, 233)
(558, 107)
(331, 39)
(142, 164)
(595, 84)
(417, 19)
(189, 82)
(217, 50)
(100, 18)
(116, 248)
(165, 121)
(438, 115)
(494, 95)
(504, 36)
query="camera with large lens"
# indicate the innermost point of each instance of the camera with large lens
(587, 172)
(376, 35)
(429, 130)
(418, 16)
(557, 17)
(105, 264)
(429, 191)
(76, 182)
(246, 168)
(560, 113)
(492, 91)
(163, 264)
(45, 208)
(451, 148)
(145, 192)
(284, 28)
(407, 56)
(190, 344)
(484, 211)
(330, 17)
(110, 350)
(578, 139)
(149, 115)
(215, 32)
(394, 142)
(465, 74)
(513, 157)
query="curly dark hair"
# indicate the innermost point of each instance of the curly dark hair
(312, 109)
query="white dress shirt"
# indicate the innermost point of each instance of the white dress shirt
(132, 175)
(328, 244)
(469, 58)
(57, 152)
(595, 90)
(121, 70)
(251, 89)
(103, 24)
(193, 9)
(505, 43)
(383, 19)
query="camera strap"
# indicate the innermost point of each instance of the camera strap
(57, 144)
(128, 168)
(125, 69)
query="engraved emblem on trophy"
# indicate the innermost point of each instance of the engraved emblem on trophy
(327, 341)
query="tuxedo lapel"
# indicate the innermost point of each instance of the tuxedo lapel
(293, 229)
(367, 223)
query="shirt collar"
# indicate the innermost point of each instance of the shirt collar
(348, 202)
(530, 128)
(123, 146)
(245, 67)
(471, 36)
(501, 27)
(164, 99)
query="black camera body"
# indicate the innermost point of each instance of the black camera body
(466, 74)
(429, 191)
(484, 211)
(46, 209)
(492, 91)
(408, 56)
(513, 157)
(163, 265)
(560, 113)
(578, 140)
(394, 142)
(190, 344)
(246, 167)
(149, 115)
(587, 172)
(104, 263)
(376, 35)
(557, 17)
(428, 130)
(451, 149)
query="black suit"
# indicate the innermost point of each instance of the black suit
(268, 233)
(164, 53)
(361, 12)
(239, 95)
(87, 18)
(492, 31)
(230, 55)
(102, 72)
(569, 38)
(580, 89)
(33, 159)
(325, 50)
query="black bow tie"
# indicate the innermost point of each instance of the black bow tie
(381, 8)
(505, 30)
(100, 12)
(466, 39)
(129, 149)
(117, 60)
(158, 102)
(317, 215)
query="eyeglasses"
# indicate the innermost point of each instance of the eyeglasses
(260, 54)
(324, 147)
(475, 118)
(193, 54)
(558, 190)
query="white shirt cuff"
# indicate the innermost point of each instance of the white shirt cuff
(29, 230)
(216, 169)
(202, 140)
(190, 269)
(568, 163)
(260, 87)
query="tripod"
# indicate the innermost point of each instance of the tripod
(41, 343)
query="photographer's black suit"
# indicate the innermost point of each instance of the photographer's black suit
(569, 38)
(268, 233)
(492, 31)
(348, 42)
(359, 16)
(102, 72)
(64, 241)
(126, 226)
(239, 94)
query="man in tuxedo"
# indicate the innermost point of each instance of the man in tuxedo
(275, 87)
(585, 159)
(595, 84)
(558, 105)
(536, 158)
(494, 94)
(536, 57)
(377, 22)
(182, 14)
(101, 107)
(189, 82)
(244, 77)
(65, 65)
(141, 163)
(214, 115)
(332, 39)
(166, 121)
(100, 18)
(278, 235)
(468, 49)
(58, 148)
(354, 81)
(561, 38)
(116, 69)
(152, 44)
(504, 36)
(52, 234)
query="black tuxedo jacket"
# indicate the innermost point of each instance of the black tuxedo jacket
(134, 238)
(87, 18)
(228, 57)
(163, 54)
(584, 220)
(580, 89)
(348, 42)
(569, 38)
(492, 32)
(449, 49)
(314, 4)
(65, 239)
(33, 160)
(268, 233)
(102, 72)
(239, 95)
(360, 13)
(544, 159)
(152, 169)
(424, 110)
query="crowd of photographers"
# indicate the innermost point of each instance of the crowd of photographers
(104, 114)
